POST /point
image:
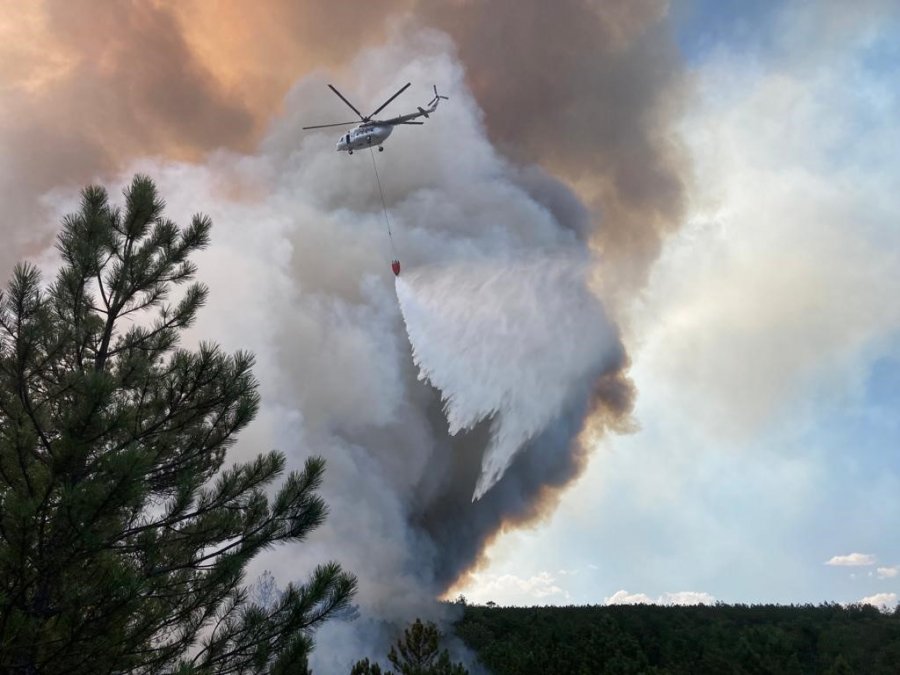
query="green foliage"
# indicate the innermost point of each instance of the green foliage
(683, 640)
(364, 667)
(416, 653)
(123, 540)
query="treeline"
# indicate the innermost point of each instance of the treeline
(659, 640)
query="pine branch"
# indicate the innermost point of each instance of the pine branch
(122, 538)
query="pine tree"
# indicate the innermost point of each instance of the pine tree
(123, 535)
(416, 653)
(364, 667)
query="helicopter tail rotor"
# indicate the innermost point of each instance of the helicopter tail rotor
(438, 97)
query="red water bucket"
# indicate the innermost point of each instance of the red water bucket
(395, 265)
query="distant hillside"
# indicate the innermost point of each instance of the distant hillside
(828, 639)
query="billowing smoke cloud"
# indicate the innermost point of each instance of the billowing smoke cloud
(88, 88)
(588, 90)
(299, 267)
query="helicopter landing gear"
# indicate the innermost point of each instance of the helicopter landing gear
(380, 149)
(350, 152)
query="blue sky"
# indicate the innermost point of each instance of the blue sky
(704, 25)
(767, 348)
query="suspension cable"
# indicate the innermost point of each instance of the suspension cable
(387, 220)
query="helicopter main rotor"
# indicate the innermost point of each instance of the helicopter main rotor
(363, 118)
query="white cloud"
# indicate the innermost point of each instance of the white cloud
(566, 573)
(888, 572)
(880, 600)
(623, 597)
(852, 560)
(510, 589)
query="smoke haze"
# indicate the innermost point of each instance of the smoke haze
(536, 169)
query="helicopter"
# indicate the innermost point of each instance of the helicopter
(375, 132)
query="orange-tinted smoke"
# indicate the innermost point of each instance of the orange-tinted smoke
(585, 89)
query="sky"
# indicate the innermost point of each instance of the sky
(766, 465)
(726, 173)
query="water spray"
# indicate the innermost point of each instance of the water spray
(509, 341)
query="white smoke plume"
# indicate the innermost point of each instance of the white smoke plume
(506, 341)
(299, 273)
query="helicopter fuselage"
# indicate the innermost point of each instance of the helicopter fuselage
(364, 136)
